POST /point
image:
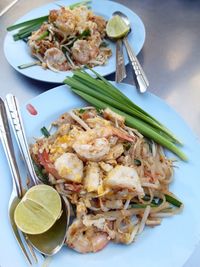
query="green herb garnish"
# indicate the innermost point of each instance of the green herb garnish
(45, 132)
(81, 111)
(40, 174)
(137, 162)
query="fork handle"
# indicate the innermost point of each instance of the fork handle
(140, 75)
(9, 149)
(120, 66)
(17, 124)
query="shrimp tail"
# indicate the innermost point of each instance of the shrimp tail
(122, 135)
(47, 164)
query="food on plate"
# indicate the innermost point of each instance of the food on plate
(116, 180)
(70, 39)
(67, 39)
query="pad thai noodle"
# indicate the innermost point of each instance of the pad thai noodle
(115, 179)
(70, 39)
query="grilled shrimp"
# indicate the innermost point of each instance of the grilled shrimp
(69, 167)
(81, 51)
(93, 144)
(104, 128)
(93, 150)
(85, 239)
(55, 59)
(112, 131)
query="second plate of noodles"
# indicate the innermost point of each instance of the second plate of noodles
(116, 180)
(70, 39)
(88, 37)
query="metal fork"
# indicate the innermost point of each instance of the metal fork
(140, 75)
(16, 194)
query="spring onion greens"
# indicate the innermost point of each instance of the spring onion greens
(174, 201)
(43, 35)
(39, 172)
(142, 206)
(137, 162)
(27, 27)
(27, 23)
(45, 132)
(102, 94)
(169, 198)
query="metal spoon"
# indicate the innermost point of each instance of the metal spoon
(51, 241)
(140, 75)
(120, 72)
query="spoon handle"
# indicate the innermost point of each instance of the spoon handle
(140, 75)
(120, 66)
(17, 124)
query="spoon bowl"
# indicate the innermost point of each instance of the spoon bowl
(124, 17)
(50, 242)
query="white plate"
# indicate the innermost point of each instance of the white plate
(167, 245)
(17, 53)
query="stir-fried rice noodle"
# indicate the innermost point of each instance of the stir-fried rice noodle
(70, 39)
(115, 180)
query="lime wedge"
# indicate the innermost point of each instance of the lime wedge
(116, 27)
(38, 210)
